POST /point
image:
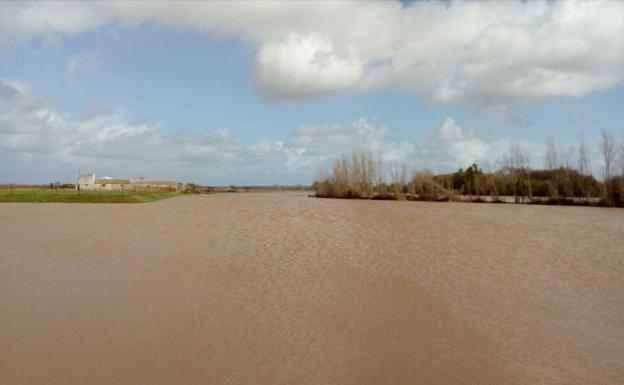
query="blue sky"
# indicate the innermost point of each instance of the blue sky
(248, 104)
(188, 81)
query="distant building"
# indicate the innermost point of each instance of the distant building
(90, 182)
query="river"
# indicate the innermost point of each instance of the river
(280, 288)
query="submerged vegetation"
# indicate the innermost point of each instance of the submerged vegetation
(43, 194)
(361, 176)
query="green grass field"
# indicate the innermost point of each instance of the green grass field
(73, 196)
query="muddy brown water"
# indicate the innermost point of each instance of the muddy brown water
(279, 288)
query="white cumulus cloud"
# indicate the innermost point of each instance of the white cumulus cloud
(486, 53)
(39, 142)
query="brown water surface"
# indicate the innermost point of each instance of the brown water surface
(284, 289)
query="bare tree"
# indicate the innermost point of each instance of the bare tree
(566, 155)
(423, 184)
(517, 163)
(562, 176)
(352, 176)
(583, 158)
(398, 174)
(606, 146)
(363, 173)
(380, 177)
(321, 182)
(551, 158)
(584, 168)
(340, 176)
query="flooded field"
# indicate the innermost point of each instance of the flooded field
(284, 289)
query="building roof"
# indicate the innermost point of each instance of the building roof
(153, 181)
(111, 181)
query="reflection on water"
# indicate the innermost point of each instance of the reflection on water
(284, 289)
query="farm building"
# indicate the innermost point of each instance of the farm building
(91, 182)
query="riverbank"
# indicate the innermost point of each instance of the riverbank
(536, 200)
(33, 195)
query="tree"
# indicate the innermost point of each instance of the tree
(551, 158)
(517, 164)
(606, 146)
(191, 187)
(566, 155)
(398, 175)
(551, 162)
(363, 170)
(352, 176)
(583, 158)
(470, 180)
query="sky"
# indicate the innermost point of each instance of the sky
(263, 93)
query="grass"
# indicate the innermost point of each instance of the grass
(73, 196)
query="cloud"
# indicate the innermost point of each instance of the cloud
(302, 66)
(38, 138)
(449, 131)
(39, 142)
(313, 144)
(483, 53)
(450, 147)
(20, 21)
(79, 63)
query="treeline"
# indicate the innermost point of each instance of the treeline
(359, 176)
(362, 176)
(194, 188)
(558, 183)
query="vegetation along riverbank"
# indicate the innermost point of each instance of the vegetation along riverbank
(361, 176)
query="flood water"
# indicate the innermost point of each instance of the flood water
(279, 288)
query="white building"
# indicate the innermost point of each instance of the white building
(90, 182)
